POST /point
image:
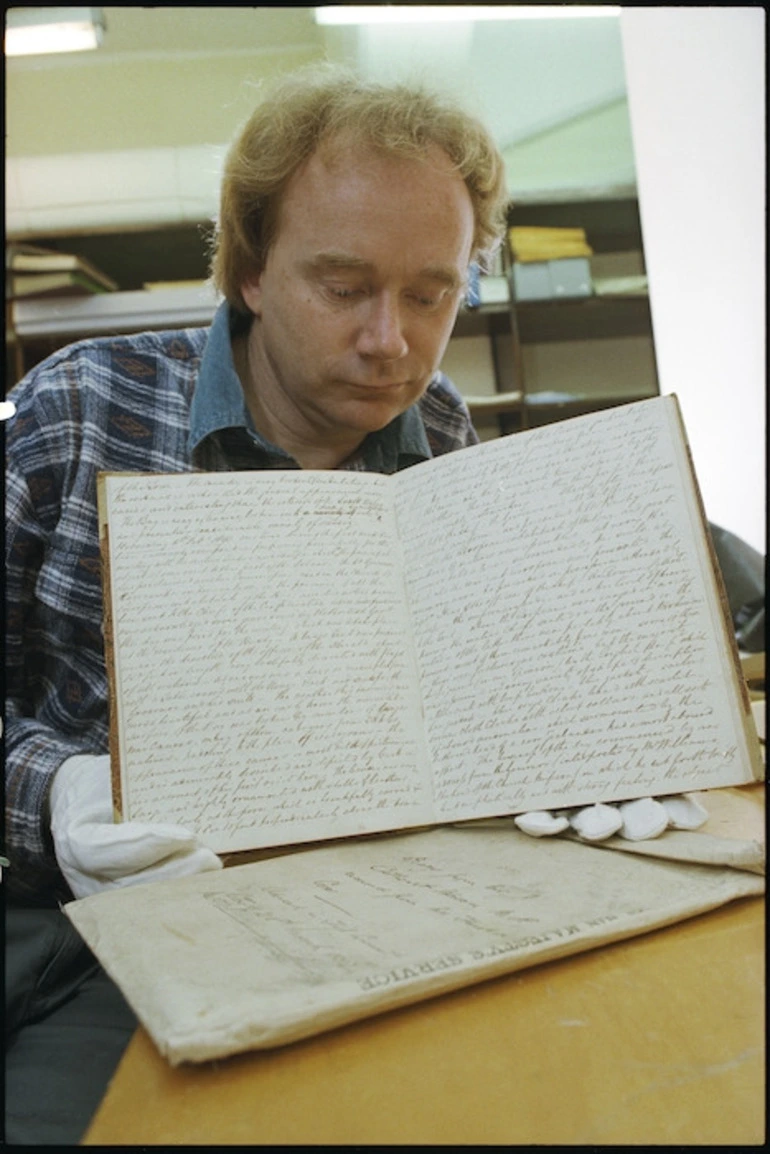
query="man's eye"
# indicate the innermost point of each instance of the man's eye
(427, 301)
(344, 292)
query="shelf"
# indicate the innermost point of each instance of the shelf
(583, 319)
(612, 225)
(483, 320)
(494, 403)
(134, 256)
(532, 415)
(73, 317)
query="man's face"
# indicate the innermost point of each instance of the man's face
(360, 290)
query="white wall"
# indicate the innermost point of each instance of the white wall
(695, 80)
(87, 149)
(124, 188)
(588, 154)
(522, 77)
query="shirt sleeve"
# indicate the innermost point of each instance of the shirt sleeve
(47, 718)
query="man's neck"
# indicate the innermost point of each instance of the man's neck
(308, 450)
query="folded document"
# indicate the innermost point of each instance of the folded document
(264, 954)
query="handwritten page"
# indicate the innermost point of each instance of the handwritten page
(569, 635)
(530, 623)
(265, 954)
(266, 684)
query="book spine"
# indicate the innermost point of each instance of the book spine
(109, 658)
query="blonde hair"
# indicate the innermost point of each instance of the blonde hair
(318, 105)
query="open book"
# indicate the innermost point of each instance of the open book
(534, 622)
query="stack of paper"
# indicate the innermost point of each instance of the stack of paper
(33, 271)
(533, 243)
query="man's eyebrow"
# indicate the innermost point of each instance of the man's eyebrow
(443, 274)
(323, 260)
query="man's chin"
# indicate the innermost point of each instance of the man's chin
(374, 413)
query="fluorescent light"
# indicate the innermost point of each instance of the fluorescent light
(36, 31)
(50, 38)
(444, 13)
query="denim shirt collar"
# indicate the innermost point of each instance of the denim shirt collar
(218, 403)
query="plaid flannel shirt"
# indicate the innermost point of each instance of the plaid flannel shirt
(164, 402)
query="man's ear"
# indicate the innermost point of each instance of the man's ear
(251, 291)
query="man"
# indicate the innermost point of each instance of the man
(349, 217)
(350, 214)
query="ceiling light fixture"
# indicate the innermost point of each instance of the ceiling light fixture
(445, 13)
(36, 31)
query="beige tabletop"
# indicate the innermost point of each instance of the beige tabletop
(659, 1039)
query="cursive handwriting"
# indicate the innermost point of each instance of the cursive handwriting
(566, 639)
(264, 685)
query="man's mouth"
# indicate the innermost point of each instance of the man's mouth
(376, 387)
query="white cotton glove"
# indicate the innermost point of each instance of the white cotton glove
(634, 820)
(96, 853)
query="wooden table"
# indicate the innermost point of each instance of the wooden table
(655, 1040)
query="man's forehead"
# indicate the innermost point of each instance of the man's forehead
(345, 191)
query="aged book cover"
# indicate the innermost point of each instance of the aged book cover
(530, 623)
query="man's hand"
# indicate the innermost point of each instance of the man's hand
(634, 820)
(96, 853)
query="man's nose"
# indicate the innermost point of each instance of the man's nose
(382, 334)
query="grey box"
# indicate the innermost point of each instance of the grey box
(544, 280)
(570, 277)
(532, 281)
